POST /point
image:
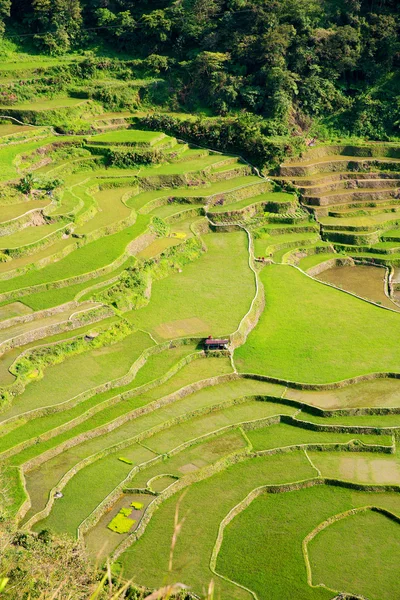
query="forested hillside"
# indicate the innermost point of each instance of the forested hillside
(327, 64)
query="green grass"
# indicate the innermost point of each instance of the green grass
(47, 104)
(192, 459)
(83, 260)
(191, 373)
(361, 467)
(27, 262)
(40, 481)
(7, 359)
(276, 257)
(8, 168)
(285, 238)
(218, 187)
(377, 392)
(285, 241)
(57, 296)
(182, 167)
(14, 492)
(13, 211)
(216, 420)
(392, 233)
(157, 247)
(94, 367)
(10, 128)
(92, 485)
(386, 259)
(111, 209)
(357, 555)
(19, 62)
(50, 473)
(360, 420)
(62, 316)
(277, 436)
(167, 210)
(278, 197)
(14, 309)
(155, 367)
(368, 221)
(283, 521)
(312, 333)
(204, 506)
(67, 203)
(308, 332)
(315, 259)
(194, 302)
(128, 136)
(29, 235)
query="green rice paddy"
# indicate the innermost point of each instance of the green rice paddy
(283, 521)
(353, 566)
(182, 305)
(124, 423)
(305, 321)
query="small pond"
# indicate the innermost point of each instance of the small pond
(364, 280)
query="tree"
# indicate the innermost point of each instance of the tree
(119, 25)
(57, 23)
(157, 25)
(5, 9)
(27, 183)
(339, 49)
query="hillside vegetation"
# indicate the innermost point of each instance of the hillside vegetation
(199, 300)
(320, 67)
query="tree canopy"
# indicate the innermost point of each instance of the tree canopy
(287, 60)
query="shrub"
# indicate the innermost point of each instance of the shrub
(240, 134)
(27, 183)
(160, 226)
(131, 291)
(126, 158)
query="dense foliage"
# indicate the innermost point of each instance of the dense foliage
(288, 60)
(242, 133)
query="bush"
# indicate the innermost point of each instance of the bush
(159, 226)
(27, 183)
(240, 134)
(126, 158)
(131, 291)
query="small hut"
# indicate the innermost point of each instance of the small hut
(216, 343)
(91, 336)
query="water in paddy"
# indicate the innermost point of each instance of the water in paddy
(101, 541)
(363, 280)
(395, 284)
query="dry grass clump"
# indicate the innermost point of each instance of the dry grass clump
(42, 566)
(45, 567)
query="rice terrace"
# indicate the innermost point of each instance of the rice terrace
(199, 305)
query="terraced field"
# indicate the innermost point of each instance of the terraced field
(279, 450)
